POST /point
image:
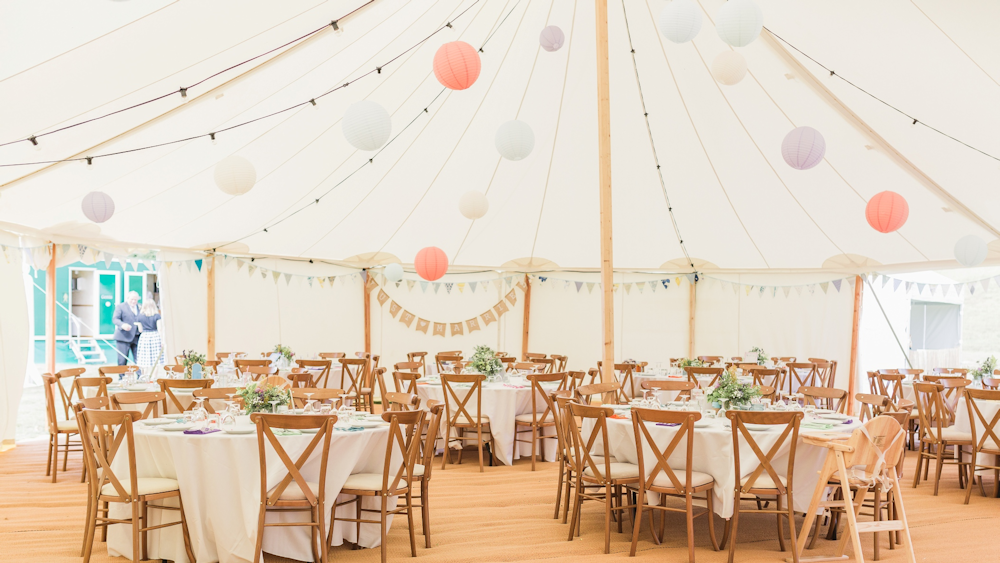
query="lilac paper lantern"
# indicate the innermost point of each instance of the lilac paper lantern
(803, 148)
(551, 38)
(98, 206)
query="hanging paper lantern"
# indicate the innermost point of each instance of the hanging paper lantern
(970, 251)
(393, 272)
(366, 125)
(680, 21)
(738, 22)
(473, 205)
(887, 211)
(551, 38)
(431, 263)
(803, 148)
(457, 65)
(98, 206)
(235, 175)
(515, 140)
(729, 68)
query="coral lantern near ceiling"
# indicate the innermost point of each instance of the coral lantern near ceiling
(680, 21)
(473, 205)
(551, 38)
(235, 175)
(457, 65)
(366, 125)
(393, 272)
(971, 251)
(803, 148)
(887, 211)
(98, 206)
(431, 263)
(729, 68)
(738, 22)
(514, 140)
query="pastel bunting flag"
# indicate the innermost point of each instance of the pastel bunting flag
(521, 285)
(578, 286)
(461, 287)
(410, 284)
(590, 287)
(251, 269)
(836, 285)
(370, 282)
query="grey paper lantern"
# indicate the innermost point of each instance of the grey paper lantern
(551, 38)
(514, 140)
(98, 206)
(366, 125)
(970, 251)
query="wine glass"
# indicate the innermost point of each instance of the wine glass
(200, 414)
(274, 405)
(307, 409)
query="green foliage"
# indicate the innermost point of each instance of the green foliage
(485, 361)
(189, 358)
(284, 351)
(732, 391)
(690, 363)
(257, 396)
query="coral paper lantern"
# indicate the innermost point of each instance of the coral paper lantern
(473, 205)
(457, 65)
(431, 263)
(393, 272)
(970, 251)
(514, 140)
(803, 148)
(738, 22)
(886, 211)
(235, 175)
(729, 68)
(551, 38)
(98, 206)
(680, 21)
(366, 125)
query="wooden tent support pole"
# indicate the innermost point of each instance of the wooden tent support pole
(527, 317)
(368, 315)
(50, 313)
(852, 383)
(604, 158)
(210, 308)
(692, 300)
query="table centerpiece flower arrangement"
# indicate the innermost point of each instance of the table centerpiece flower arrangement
(984, 369)
(258, 397)
(762, 356)
(690, 362)
(189, 358)
(485, 361)
(730, 392)
(285, 354)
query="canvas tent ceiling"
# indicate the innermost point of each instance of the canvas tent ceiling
(738, 206)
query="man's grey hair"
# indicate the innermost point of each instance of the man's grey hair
(132, 294)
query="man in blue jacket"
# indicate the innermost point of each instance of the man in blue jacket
(126, 334)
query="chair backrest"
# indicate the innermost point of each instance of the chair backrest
(824, 372)
(299, 396)
(151, 399)
(648, 477)
(891, 385)
(106, 434)
(594, 374)
(991, 383)
(406, 381)
(451, 359)
(877, 446)
(64, 379)
(456, 407)
(319, 368)
(624, 373)
(90, 387)
(353, 373)
(560, 362)
(534, 367)
(914, 373)
(433, 423)
(610, 392)
(216, 393)
(984, 432)
(224, 355)
(257, 372)
(105, 371)
(693, 373)
(684, 387)
(265, 435)
(301, 377)
(242, 366)
(790, 433)
(413, 367)
(332, 355)
(532, 356)
(786, 359)
(420, 357)
(96, 403)
(403, 444)
(770, 377)
(767, 392)
(872, 405)
(49, 382)
(934, 416)
(537, 379)
(801, 374)
(376, 379)
(565, 438)
(168, 386)
(574, 379)
(508, 363)
(825, 398)
(547, 365)
(873, 383)
(583, 445)
(960, 371)
(278, 381)
(710, 359)
(889, 370)
(953, 390)
(401, 401)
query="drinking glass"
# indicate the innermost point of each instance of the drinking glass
(307, 409)
(325, 409)
(274, 406)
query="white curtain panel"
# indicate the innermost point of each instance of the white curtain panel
(14, 341)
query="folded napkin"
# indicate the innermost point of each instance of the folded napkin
(619, 416)
(286, 432)
(668, 423)
(848, 421)
(816, 426)
(512, 386)
(351, 429)
(201, 431)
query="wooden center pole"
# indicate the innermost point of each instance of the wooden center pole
(604, 161)
(50, 313)
(692, 301)
(852, 383)
(210, 308)
(527, 318)
(368, 314)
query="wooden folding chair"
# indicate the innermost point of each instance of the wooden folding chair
(374, 378)
(764, 480)
(332, 355)
(294, 493)
(403, 444)
(90, 387)
(109, 371)
(216, 394)
(991, 383)
(508, 363)
(151, 399)
(953, 388)
(601, 479)
(353, 374)
(64, 383)
(801, 374)
(825, 398)
(406, 381)
(421, 358)
(401, 401)
(891, 385)
(683, 388)
(769, 377)
(168, 386)
(785, 359)
(623, 372)
(108, 434)
(243, 366)
(824, 372)
(447, 362)
(663, 479)
(422, 471)
(461, 420)
(984, 439)
(412, 367)
(714, 373)
(301, 395)
(538, 419)
(57, 428)
(871, 405)
(575, 379)
(300, 377)
(567, 461)
(277, 381)
(225, 355)
(532, 356)
(560, 362)
(320, 370)
(936, 436)
(610, 392)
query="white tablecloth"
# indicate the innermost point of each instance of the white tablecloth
(501, 403)
(713, 454)
(219, 479)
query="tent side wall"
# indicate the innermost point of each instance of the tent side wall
(14, 342)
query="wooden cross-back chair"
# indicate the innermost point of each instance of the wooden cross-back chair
(353, 374)
(532, 367)
(453, 361)
(64, 378)
(541, 416)
(872, 405)
(769, 377)
(785, 359)
(406, 381)
(600, 478)
(420, 357)
(610, 392)
(320, 369)
(764, 480)
(107, 371)
(710, 359)
(332, 355)
(912, 373)
(547, 365)
(216, 394)
(825, 372)
(768, 392)
(397, 401)
(575, 379)
(403, 444)
(682, 387)
(257, 372)
(825, 398)
(953, 389)
(800, 374)
(375, 379)
(459, 418)
(991, 383)
(422, 470)
(90, 387)
(594, 374)
(532, 356)
(985, 438)
(277, 381)
(57, 428)
(225, 355)
(412, 367)
(151, 399)
(937, 435)
(891, 385)
(560, 362)
(958, 371)
(107, 436)
(567, 458)
(243, 366)
(664, 479)
(294, 493)
(167, 386)
(301, 395)
(693, 373)
(624, 374)
(873, 383)
(301, 377)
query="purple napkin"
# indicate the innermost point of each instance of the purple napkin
(668, 423)
(849, 421)
(200, 431)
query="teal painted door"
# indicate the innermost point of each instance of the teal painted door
(136, 284)
(107, 301)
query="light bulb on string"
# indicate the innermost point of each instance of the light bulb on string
(314, 104)
(337, 28)
(35, 144)
(184, 95)
(214, 140)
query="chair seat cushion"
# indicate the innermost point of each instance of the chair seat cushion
(418, 470)
(364, 482)
(763, 481)
(462, 419)
(697, 478)
(366, 390)
(527, 417)
(67, 426)
(618, 470)
(599, 459)
(953, 434)
(146, 486)
(294, 492)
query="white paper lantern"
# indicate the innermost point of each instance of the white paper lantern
(393, 272)
(551, 38)
(98, 206)
(515, 140)
(729, 68)
(970, 251)
(473, 205)
(235, 175)
(680, 21)
(803, 148)
(366, 125)
(738, 22)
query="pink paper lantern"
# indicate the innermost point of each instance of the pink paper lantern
(457, 65)
(887, 211)
(431, 263)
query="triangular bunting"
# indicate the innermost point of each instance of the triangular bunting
(836, 285)
(382, 297)
(410, 284)
(407, 318)
(251, 269)
(787, 289)
(472, 324)
(578, 286)
(590, 287)
(288, 279)
(488, 317)
(461, 287)
(456, 329)
(824, 286)
(393, 309)
(439, 329)
(512, 297)
(423, 325)
(472, 287)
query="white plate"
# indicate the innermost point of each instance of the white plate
(822, 411)
(702, 424)
(367, 423)
(173, 416)
(177, 427)
(156, 421)
(137, 388)
(240, 430)
(758, 427)
(310, 430)
(834, 416)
